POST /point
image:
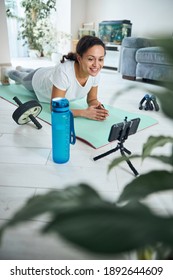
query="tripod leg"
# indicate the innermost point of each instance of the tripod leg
(106, 154)
(129, 163)
(132, 167)
(126, 151)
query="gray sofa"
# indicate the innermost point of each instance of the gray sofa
(141, 57)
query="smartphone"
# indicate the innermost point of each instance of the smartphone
(122, 130)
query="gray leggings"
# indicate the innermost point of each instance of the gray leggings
(27, 80)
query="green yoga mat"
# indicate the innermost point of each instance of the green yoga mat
(93, 132)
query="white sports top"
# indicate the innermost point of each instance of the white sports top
(63, 77)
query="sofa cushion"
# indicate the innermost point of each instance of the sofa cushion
(154, 72)
(134, 42)
(151, 55)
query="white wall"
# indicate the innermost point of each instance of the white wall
(5, 52)
(63, 8)
(70, 15)
(64, 15)
(78, 16)
(149, 17)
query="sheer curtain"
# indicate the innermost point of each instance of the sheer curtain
(16, 46)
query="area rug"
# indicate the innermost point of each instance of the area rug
(94, 133)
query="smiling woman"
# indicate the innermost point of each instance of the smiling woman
(77, 76)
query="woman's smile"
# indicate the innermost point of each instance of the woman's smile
(92, 61)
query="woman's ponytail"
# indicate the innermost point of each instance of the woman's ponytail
(69, 56)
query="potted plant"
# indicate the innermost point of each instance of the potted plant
(49, 38)
(34, 12)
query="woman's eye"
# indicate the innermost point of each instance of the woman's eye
(92, 59)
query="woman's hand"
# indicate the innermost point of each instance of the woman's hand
(98, 113)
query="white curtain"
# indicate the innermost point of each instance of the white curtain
(16, 46)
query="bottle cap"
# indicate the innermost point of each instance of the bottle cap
(60, 104)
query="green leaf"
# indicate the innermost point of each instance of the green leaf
(154, 142)
(144, 185)
(108, 229)
(55, 202)
(166, 100)
(167, 45)
(118, 160)
(164, 159)
(82, 217)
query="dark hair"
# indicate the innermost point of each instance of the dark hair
(83, 45)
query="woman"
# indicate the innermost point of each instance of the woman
(75, 77)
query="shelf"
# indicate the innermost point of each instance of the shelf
(112, 57)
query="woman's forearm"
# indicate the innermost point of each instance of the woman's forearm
(93, 102)
(78, 113)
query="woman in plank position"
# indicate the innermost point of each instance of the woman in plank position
(77, 76)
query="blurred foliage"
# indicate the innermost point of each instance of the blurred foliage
(82, 217)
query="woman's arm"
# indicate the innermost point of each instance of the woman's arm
(95, 111)
(94, 106)
(92, 97)
(56, 92)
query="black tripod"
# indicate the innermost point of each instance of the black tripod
(125, 131)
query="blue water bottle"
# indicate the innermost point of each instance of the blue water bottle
(62, 130)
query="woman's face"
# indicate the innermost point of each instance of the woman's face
(92, 60)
